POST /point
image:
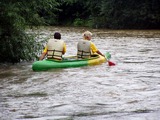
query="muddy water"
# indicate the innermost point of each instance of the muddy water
(128, 91)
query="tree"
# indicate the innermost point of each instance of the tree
(15, 17)
(141, 14)
(73, 11)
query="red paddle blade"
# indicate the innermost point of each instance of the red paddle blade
(111, 63)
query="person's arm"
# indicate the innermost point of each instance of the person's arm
(64, 49)
(100, 53)
(42, 56)
(95, 50)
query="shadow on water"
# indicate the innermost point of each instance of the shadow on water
(128, 91)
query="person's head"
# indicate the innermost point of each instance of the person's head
(57, 35)
(87, 35)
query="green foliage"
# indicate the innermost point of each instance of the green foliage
(130, 14)
(15, 43)
(73, 12)
(115, 14)
(78, 22)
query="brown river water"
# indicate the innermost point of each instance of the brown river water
(128, 91)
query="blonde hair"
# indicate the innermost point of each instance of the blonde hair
(87, 34)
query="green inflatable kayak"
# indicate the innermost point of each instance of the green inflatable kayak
(67, 62)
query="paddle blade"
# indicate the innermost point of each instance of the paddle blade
(108, 55)
(111, 63)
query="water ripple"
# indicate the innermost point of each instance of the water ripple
(128, 91)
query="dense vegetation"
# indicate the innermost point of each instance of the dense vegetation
(17, 15)
(113, 14)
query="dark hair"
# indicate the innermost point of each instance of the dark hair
(57, 35)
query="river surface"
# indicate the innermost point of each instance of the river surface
(128, 91)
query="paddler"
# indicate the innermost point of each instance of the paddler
(55, 48)
(86, 48)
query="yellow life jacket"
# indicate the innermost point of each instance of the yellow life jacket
(55, 48)
(84, 49)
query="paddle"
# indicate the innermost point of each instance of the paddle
(108, 56)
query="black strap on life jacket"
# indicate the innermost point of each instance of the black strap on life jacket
(82, 55)
(53, 54)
